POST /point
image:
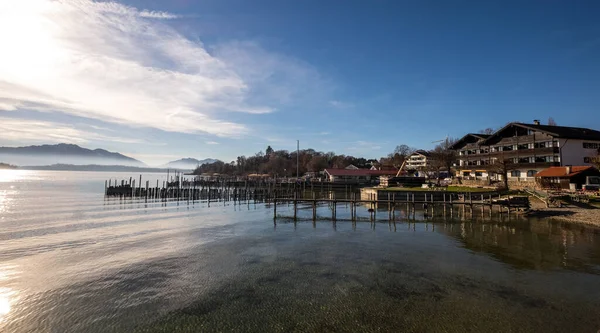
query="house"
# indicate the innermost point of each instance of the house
(417, 160)
(568, 177)
(526, 149)
(356, 176)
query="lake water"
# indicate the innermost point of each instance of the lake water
(71, 261)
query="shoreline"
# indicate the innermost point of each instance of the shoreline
(570, 214)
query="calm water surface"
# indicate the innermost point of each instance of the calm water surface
(71, 261)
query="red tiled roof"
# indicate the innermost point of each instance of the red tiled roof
(360, 172)
(562, 171)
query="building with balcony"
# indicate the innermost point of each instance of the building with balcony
(523, 150)
(417, 160)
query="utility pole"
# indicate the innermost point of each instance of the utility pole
(297, 158)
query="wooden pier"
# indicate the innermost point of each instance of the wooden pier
(464, 200)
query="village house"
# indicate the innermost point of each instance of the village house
(567, 178)
(526, 149)
(417, 160)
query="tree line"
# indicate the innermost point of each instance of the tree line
(283, 163)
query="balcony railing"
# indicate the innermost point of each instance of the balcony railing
(512, 153)
(520, 166)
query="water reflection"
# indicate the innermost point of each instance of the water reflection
(5, 294)
(540, 245)
(8, 295)
(12, 175)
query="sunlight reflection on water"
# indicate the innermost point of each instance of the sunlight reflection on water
(13, 175)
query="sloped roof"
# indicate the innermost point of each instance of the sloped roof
(565, 132)
(562, 171)
(359, 172)
(462, 141)
(421, 152)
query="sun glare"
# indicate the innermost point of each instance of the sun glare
(5, 302)
(26, 34)
(4, 306)
(11, 175)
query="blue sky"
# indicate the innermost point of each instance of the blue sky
(160, 80)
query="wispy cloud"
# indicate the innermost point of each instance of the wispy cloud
(34, 131)
(108, 61)
(341, 105)
(158, 15)
(212, 143)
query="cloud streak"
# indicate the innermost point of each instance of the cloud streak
(115, 63)
(22, 130)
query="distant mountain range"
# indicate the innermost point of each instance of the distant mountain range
(188, 163)
(64, 156)
(93, 167)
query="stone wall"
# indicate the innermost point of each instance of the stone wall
(513, 184)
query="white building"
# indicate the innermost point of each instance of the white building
(417, 160)
(527, 148)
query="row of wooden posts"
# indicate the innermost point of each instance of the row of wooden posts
(465, 200)
(179, 189)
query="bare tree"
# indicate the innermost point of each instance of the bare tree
(551, 122)
(488, 131)
(595, 160)
(444, 157)
(502, 166)
(403, 150)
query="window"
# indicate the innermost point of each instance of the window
(477, 173)
(545, 144)
(531, 173)
(591, 145)
(540, 159)
(523, 146)
(515, 173)
(507, 148)
(466, 174)
(524, 160)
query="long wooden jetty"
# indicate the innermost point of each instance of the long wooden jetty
(425, 201)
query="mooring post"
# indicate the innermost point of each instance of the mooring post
(105, 187)
(295, 206)
(147, 184)
(314, 202)
(274, 208)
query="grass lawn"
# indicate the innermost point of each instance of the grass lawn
(448, 189)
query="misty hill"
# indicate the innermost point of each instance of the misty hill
(93, 167)
(64, 154)
(188, 163)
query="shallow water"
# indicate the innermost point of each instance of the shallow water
(71, 261)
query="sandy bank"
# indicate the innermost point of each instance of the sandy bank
(569, 213)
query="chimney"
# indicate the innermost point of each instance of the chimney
(568, 169)
(536, 121)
